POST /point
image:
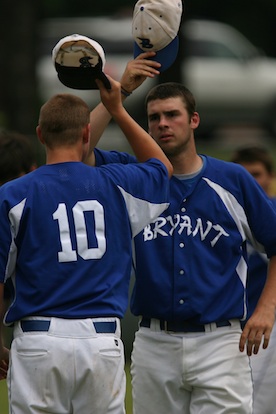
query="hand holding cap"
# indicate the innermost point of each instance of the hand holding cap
(155, 25)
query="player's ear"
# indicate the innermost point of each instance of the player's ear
(39, 135)
(195, 120)
(86, 134)
(33, 167)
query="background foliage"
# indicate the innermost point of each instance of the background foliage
(19, 25)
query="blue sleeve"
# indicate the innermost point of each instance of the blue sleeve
(110, 157)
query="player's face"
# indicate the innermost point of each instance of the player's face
(260, 173)
(170, 125)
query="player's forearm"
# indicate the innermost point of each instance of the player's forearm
(261, 323)
(135, 73)
(99, 120)
(268, 296)
(143, 145)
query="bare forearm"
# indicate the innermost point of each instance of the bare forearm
(99, 120)
(136, 72)
(144, 147)
(261, 323)
(268, 296)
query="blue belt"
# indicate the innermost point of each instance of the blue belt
(43, 326)
(181, 326)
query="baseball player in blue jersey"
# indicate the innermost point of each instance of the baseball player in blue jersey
(259, 163)
(190, 354)
(65, 243)
(16, 159)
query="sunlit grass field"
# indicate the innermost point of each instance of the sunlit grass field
(4, 409)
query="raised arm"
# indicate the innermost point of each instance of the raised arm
(136, 72)
(144, 147)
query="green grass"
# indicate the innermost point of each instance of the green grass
(128, 391)
(4, 409)
(4, 398)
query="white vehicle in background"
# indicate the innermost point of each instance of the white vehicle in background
(232, 81)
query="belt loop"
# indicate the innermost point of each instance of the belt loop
(208, 327)
(213, 327)
(155, 325)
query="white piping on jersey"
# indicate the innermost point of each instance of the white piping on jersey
(242, 273)
(14, 216)
(237, 213)
(262, 255)
(141, 212)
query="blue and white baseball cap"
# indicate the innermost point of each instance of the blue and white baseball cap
(79, 60)
(155, 27)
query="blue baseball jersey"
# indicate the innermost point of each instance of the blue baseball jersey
(191, 262)
(66, 232)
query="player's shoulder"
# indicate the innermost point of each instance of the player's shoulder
(223, 164)
(226, 168)
(18, 182)
(231, 176)
(103, 157)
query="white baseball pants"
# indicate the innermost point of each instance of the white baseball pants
(69, 369)
(190, 373)
(264, 378)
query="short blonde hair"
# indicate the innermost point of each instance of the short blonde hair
(62, 119)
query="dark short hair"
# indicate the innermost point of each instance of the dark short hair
(254, 154)
(172, 90)
(16, 155)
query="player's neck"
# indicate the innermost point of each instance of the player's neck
(58, 155)
(186, 162)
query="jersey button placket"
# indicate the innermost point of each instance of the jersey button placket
(181, 272)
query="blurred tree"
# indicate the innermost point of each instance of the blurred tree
(17, 70)
(254, 19)
(18, 27)
(70, 8)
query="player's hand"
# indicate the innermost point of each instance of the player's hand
(4, 362)
(257, 329)
(111, 98)
(138, 70)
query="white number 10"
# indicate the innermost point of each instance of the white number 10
(67, 254)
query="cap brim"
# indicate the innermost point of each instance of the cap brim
(81, 78)
(165, 56)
